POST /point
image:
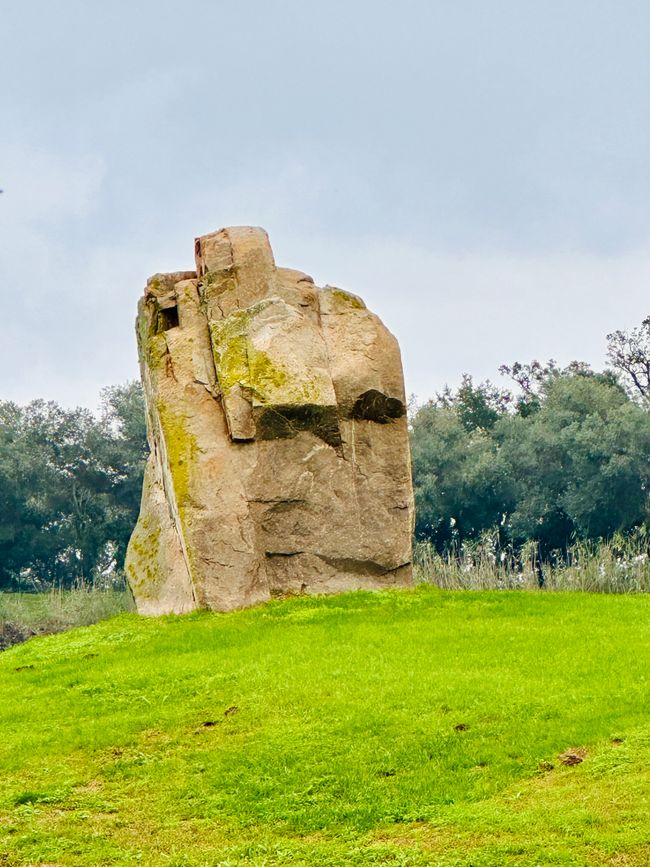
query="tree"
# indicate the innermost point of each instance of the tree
(629, 355)
(573, 464)
(477, 406)
(458, 492)
(69, 488)
(579, 466)
(122, 445)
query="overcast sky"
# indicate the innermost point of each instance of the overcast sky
(478, 170)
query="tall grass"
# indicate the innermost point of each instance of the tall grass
(23, 615)
(619, 565)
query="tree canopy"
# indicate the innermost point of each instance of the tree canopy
(70, 486)
(567, 457)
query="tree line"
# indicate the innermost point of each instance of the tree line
(561, 454)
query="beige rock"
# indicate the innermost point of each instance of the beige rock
(279, 449)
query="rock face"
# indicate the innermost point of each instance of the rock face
(277, 425)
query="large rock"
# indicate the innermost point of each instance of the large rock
(277, 427)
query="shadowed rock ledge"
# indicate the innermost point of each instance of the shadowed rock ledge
(277, 426)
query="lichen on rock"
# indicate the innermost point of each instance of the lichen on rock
(279, 458)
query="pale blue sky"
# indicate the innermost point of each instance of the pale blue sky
(478, 170)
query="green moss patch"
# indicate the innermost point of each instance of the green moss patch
(346, 300)
(182, 450)
(239, 362)
(143, 557)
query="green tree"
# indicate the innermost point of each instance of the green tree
(69, 488)
(571, 459)
(123, 448)
(579, 466)
(458, 489)
(478, 407)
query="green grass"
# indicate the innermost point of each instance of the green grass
(402, 728)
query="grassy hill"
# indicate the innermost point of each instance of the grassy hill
(403, 728)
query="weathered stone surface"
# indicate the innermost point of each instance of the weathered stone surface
(277, 425)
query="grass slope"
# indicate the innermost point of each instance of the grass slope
(402, 728)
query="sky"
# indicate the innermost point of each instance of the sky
(479, 172)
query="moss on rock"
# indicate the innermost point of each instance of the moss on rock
(239, 362)
(182, 449)
(143, 559)
(347, 299)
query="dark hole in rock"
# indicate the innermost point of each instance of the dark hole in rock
(168, 318)
(286, 421)
(374, 406)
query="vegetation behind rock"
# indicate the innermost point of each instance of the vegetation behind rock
(70, 486)
(549, 475)
(533, 474)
